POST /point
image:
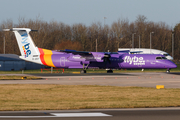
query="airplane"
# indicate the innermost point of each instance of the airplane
(146, 51)
(84, 60)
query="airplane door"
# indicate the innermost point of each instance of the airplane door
(62, 61)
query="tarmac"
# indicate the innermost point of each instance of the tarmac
(143, 79)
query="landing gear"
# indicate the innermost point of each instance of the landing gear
(168, 71)
(109, 71)
(84, 68)
(83, 71)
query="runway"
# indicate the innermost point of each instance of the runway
(145, 79)
(96, 114)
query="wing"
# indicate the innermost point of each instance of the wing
(75, 52)
(124, 51)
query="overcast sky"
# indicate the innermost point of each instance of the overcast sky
(89, 11)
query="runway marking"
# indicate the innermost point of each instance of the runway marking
(27, 116)
(98, 114)
(80, 114)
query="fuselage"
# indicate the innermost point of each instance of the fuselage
(95, 60)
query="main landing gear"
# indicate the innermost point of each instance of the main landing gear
(109, 71)
(84, 68)
(83, 71)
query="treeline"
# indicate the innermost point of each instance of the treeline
(58, 36)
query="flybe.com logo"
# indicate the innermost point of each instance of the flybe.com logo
(135, 60)
(25, 46)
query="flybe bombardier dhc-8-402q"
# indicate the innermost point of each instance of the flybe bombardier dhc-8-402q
(84, 60)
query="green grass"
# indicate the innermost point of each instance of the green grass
(58, 97)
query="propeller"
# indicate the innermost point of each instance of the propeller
(106, 58)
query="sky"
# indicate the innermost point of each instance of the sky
(90, 11)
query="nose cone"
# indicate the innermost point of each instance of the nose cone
(172, 65)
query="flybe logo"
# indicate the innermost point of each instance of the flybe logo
(134, 60)
(25, 46)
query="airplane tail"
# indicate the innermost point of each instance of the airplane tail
(29, 51)
(26, 45)
(25, 42)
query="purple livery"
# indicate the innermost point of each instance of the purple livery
(84, 60)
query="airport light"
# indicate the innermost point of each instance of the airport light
(96, 45)
(4, 45)
(150, 40)
(139, 41)
(104, 20)
(173, 44)
(133, 40)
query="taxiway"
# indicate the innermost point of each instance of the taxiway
(170, 80)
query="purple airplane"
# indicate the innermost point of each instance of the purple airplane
(84, 60)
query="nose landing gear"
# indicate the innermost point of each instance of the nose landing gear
(109, 71)
(168, 71)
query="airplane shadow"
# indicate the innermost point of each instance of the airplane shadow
(82, 74)
(174, 73)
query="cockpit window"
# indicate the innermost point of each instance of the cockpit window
(164, 58)
(165, 54)
(158, 58)
(161, 58)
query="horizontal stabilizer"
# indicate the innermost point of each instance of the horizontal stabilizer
(19, 29)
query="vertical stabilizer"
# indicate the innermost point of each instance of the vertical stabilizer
(26, 45)
(25, 42)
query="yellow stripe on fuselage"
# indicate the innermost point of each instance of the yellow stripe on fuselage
(47, 57)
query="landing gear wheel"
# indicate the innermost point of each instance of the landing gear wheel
(109, 71)
(83, 71)
(168, 71)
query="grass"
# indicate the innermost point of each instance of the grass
(58, 97)
(18, 77)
